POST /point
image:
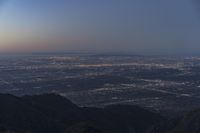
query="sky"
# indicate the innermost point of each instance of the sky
(129, 26)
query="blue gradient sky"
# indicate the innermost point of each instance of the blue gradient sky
(137, 26)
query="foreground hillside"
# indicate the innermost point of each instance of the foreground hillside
(51, 113)
(188, 123)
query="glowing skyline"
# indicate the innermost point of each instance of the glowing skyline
(137, 26)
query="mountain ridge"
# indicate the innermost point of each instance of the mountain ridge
(51, 113)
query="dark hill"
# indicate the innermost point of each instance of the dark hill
(188, 123)
(19, 115)
(50, 113)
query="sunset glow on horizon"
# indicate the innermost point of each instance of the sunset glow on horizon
(169, 27)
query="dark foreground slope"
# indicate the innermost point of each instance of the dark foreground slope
(188, 123)
(51, 113)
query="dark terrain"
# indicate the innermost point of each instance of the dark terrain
(50, 113)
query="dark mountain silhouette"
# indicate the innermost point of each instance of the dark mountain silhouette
(86, 128)
(50, 113)
(16, 114)
(188, 123)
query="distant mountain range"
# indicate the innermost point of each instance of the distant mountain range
(50, 113)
